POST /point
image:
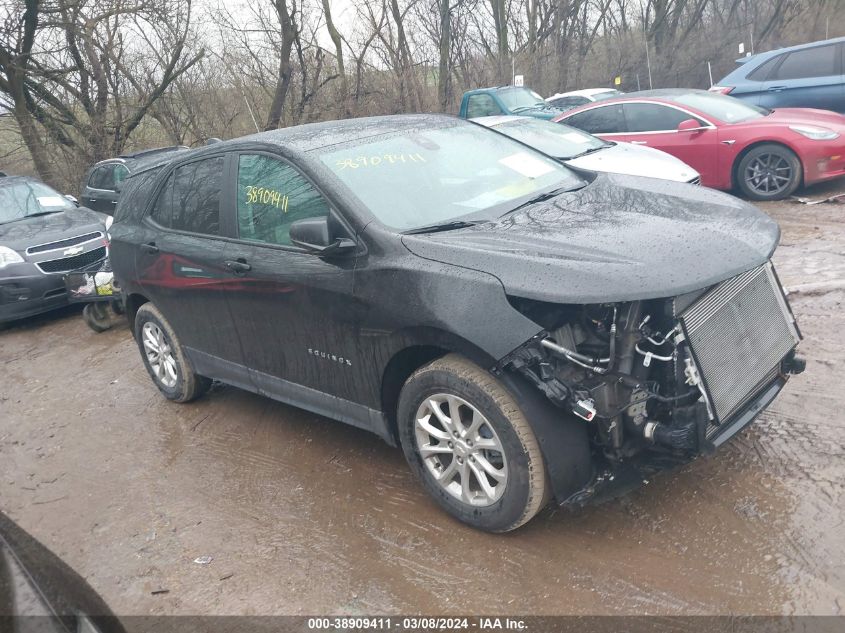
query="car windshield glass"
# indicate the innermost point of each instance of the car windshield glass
(424, 177)
(721, 107)
(606, 95)
(554, 139)
(23, 198)
(515, 98)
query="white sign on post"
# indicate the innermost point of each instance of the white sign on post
(741, 48)
(517, 80)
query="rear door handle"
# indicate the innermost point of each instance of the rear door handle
(639, 142)
(237, 266)
(777, 88)
(149, 247)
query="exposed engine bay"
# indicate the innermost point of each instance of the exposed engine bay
(676, 376)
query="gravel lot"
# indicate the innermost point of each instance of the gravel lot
(302, 515)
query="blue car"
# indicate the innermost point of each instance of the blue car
(806, 76)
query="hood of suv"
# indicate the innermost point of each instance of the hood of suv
(618, 239)
(52, 227)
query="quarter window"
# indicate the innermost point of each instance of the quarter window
(810, 62)
(650, 117)
(762, 71)
(102, 178)
(604, 120)
(272, 195)
(190, 199)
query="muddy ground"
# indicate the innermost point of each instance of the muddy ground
(304, 515)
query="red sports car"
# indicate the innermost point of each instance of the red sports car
(767, 154)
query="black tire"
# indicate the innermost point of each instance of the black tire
(97, 316)
(188, 385)
(526, 488)
(769, 171)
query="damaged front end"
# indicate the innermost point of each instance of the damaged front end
(661, 381)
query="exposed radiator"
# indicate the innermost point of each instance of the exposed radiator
(739, 332)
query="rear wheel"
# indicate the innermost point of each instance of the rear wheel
(165, 358)
(769, 172)
(466, 438)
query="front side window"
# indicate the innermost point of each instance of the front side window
(190, 199)
(810, 62)
(272, 195)
(420, 177)
(651, 117)
(604, 120)
(482, 105)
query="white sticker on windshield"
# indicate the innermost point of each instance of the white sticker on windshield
(51, 201)
(527, 165)
(574, 137)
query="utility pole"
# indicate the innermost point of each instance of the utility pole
(648, 65)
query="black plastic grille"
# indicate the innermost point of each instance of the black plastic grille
(71, 241)
(67, 264)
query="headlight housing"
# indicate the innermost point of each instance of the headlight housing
(9, 256)
(815, 133)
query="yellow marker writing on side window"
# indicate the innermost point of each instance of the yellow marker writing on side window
(265, 195)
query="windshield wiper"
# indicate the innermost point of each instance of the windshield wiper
(548, 195)
(35, 215)
(521, 108)
(444, 226)
(587, 151)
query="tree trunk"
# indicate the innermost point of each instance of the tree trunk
(274, 118)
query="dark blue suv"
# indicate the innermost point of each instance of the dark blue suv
(806, 76)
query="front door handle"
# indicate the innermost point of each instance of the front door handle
(777, 88)
(238, 266)
(639, 142)
(150, 247)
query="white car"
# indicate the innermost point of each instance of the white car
(568, 100)
(579, 149)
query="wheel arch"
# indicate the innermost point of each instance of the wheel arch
(757, 143)
(132, 303)
(419, 347)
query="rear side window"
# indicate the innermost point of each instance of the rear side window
(761, 73)
(134, 194)
(102, 178)
(190, 199)
(603, 120)
(650, 117)
(569, 102)
(811, 62)
(272, 195)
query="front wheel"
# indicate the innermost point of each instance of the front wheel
(769, 172)
(466, 438)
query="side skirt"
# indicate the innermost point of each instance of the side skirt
(291, 393)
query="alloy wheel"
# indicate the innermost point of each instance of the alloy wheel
(159, 354)
(461, 450)
(768, 174)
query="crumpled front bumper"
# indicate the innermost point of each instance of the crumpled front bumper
(30, 293)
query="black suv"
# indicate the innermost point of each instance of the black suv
(522, 330)
(101, 186)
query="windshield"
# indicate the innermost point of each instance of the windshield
(554, 139)
(721, 107)
(24, 198)
(423, 177)
(515, 98)
(598, 96)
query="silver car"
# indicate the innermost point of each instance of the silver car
(582, 150)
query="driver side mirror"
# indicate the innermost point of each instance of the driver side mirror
(316, 235)
(690, 125)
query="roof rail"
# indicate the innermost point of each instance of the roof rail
(155, 150)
